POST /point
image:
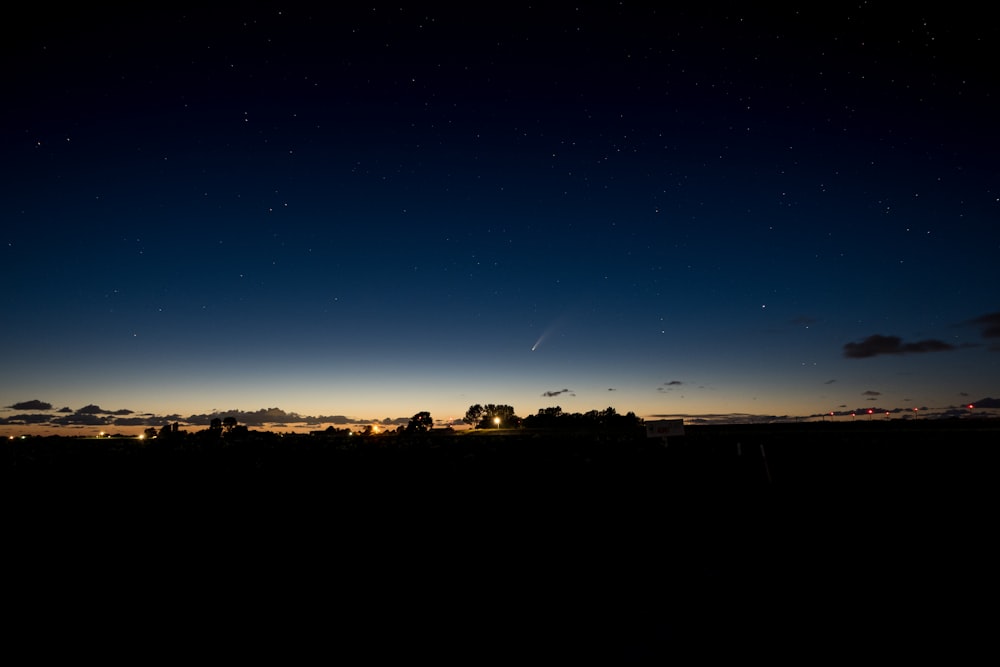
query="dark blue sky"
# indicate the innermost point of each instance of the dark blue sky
(376, 211)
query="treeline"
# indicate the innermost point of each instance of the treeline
(489, 416)
(503, 416)
(594, 420)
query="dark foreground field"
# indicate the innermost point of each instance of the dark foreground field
(799, 540)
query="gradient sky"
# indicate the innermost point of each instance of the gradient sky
(377, 211)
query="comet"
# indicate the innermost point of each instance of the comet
(540, 339)
(548, 332)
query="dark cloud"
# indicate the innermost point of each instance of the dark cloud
(259, 417)
(990, 324)
(871, 392)
(611, 389)
(730, 418)
(829, 382)
(342, 419)
(987, 403)
(82, 419)
(951, 413)
(147, 420)
(26, 419)
(673, 383)
(875, 345)
(31, 405)
(550, 394)
(91, 410)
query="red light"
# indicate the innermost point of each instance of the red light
(971, 406)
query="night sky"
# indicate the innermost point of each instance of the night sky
(374, 211)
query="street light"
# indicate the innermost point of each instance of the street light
(496, 420)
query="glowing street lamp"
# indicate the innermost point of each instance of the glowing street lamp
(496, 420)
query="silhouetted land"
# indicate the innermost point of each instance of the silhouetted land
(724, 459)
(801, 540)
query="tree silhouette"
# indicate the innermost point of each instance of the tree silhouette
(489, 413)
(473, 415)
(420, 422)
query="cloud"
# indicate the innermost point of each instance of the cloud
(26, 419)
(871, 392)
(668, 386)
(990, 324)
(550, 394)
(987, 403)
(875, 345)
(147, 420)
(31, 405)
(91, 410)
(83, 419)
(726, 418)
(829, 382)
(259, 417)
